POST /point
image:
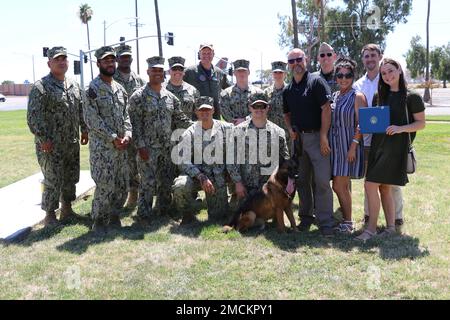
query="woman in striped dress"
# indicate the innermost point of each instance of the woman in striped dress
(347, 150)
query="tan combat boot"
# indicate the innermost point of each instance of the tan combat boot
(66, 211)
(50, 219)
(132, 199)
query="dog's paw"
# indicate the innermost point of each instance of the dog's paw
(226, 229)
(281, 230)
(295, 230)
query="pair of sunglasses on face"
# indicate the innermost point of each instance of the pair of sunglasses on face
(344, 75)
(328, 54)
(177, 69)
(259, 106)
(298, 60)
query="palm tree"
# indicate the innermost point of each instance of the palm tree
(426, 95)
(294, 22)
(85, 14)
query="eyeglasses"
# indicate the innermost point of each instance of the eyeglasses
(259, 106)
(328, 54)
(344, 75)
(298, 60)
(177, 68)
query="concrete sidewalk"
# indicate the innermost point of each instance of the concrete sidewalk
(21, 203)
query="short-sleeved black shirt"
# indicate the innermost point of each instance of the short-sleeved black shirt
(304, 101)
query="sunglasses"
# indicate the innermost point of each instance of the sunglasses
(344, 75)
(259, 106)
(298, 60)
(329, 54)
(177, 69)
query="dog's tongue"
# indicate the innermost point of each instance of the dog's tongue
(290, 188)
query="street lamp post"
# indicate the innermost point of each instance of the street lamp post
(107, 26)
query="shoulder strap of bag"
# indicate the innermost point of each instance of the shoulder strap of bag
(407, 116)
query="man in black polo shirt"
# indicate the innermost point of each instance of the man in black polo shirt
(306, 103)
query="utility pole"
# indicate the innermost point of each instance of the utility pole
(426, 95)
(137, 36)
(34, 74)
(158, 26)
(294, 23)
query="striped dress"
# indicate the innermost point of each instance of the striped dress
(343, 126)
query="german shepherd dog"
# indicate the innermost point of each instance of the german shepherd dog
(274, 198)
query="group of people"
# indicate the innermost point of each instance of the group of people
(129, 124)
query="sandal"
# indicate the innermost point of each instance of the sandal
(345, 227)
(390, 230)
(366, 235)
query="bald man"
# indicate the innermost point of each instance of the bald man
(306, 106)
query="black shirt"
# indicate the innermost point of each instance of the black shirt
(330, 79)
(304, 101)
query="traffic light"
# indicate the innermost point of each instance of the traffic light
(44, 51)
(76, 67)
(85, 59)
(170, 38)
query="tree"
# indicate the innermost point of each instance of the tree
(348, 28)
(265, 75)
(294, 23)
(6, 82)
(416, 57)
(440, 63)
(85, 14)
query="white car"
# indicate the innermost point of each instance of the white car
(2, 98)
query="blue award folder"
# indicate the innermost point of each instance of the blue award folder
(374, 119)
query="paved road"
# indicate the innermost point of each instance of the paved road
(14, 103)
(441, 102)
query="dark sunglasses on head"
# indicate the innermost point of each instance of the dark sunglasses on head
(259, 106)
(329, 54)
(298, 60)
(344, 75)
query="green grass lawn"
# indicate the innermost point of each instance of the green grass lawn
(166, 261)
(17, 152)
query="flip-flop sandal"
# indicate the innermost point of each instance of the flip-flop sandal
(365, 236)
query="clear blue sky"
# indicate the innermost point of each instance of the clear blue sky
(238, 29)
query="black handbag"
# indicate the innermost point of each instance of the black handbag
(411, 164)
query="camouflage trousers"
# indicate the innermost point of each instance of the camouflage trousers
(157, 175)
(109, 170)
(61, 170)
(132, 166)
(217, 203)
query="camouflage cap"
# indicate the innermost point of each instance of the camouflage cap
(206, 45)
(257, 98)
(241, 64)
(279, 66)
(176, 62)
(123, 50)
(56, 52)
(103, 52)
(156, 62)
(204, 102)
